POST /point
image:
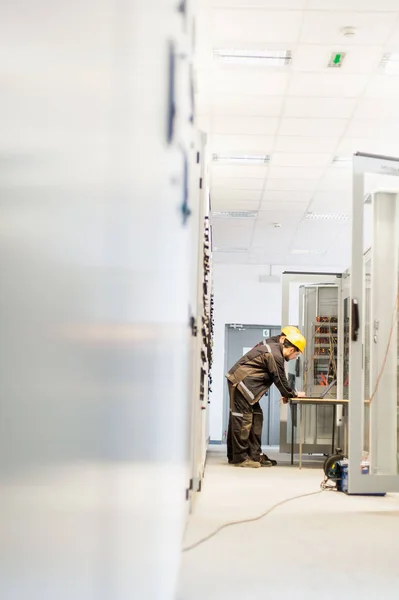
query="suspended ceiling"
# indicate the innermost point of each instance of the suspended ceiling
(302, 116)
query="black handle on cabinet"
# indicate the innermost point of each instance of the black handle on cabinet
(355, 324)
(171, 94)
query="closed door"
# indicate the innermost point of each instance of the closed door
(239, 339)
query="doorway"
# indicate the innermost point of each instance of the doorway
(239, 339)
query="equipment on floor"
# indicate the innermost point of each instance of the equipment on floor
(336, 474)
(332, 468)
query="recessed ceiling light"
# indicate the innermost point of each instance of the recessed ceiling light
(315, 216)
(336, 60)
(308, 251)
(244, 159)
(342, 160)
(236, 214)
(390, 63)
(267, 58)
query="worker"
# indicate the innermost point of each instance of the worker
(265, 461)
(248, 380)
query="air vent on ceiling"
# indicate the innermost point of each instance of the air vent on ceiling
(267, 58)
(336, 60)
(390, 63)
(315, 216)
(243, 159)
(236, 214)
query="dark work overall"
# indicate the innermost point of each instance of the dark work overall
(244, 436)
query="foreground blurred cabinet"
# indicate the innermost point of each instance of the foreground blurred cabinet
(100, 296)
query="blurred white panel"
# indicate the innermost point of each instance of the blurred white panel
(94, 423)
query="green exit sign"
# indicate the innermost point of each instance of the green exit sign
(336, 59)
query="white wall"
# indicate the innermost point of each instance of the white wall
(240, 298)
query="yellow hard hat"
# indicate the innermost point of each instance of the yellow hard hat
(289, 329)
(296, 339)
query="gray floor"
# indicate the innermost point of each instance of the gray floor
(325, 546)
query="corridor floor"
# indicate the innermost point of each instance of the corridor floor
(325, 546)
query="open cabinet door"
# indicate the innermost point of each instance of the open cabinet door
(373, 345)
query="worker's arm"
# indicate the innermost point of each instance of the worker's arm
(277, 372)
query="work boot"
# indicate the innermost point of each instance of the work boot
(248, 464)
(265, 461)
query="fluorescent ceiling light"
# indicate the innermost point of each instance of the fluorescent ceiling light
(308, 251)
(315, 216)
(245, 159)
(236, 214)
(231, 250)
(390, 63)
(342, 160)
(267, 58)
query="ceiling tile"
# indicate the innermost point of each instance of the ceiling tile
(383, 86)
(285, 159)
(351, 5)
(239, 171)
(332, 202)
(230, 258)
(232, 195)
(376, 129)
(301, 185)
(232, 232)
(248, 26)
(318, 108)
(241, 144)
(306, 144)
(350, 146)
(256, 80)
(298, 4)
(336, 179)
(233, 205)
(268, 209)
(374, 108)
(236, 183)
(394, 37)
(326, 27)
(275, 197)
(333, 85)
(246, 104)
(244, 125)
(313, 127)
(294, 173)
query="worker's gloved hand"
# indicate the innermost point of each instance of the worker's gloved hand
(301, 394)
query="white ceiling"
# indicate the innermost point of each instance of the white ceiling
(302, 116)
